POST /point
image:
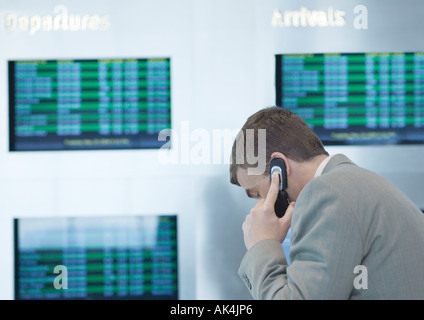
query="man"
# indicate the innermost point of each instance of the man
(353, 234)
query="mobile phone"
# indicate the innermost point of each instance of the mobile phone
(282, 202)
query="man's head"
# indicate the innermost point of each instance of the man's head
(287, 136)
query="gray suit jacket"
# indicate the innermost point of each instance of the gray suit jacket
(353, 236)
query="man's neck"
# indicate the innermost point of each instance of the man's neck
(305, 172)
(314, 165)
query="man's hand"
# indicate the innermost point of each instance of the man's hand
(262, 222)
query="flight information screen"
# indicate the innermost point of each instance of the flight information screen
(96, 258)
(88, 104)
(355, 98)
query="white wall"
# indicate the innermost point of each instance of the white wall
(100, 182)
(222, 66)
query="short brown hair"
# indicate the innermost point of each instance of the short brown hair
(286, 132)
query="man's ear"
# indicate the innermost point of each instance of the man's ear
(282, 156)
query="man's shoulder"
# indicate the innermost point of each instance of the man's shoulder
(342, 174)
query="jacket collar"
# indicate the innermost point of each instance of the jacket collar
(336, 160)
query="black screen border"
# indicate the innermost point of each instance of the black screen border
(11, 102)
(16, 253)
(330, 143)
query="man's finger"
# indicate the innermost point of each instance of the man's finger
(271, 197)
